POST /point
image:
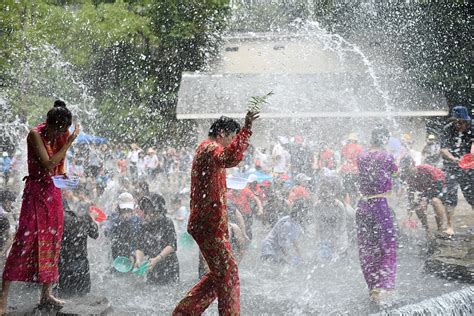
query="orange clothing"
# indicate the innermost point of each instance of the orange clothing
(241, 199)
(298, 192)
(349, 153)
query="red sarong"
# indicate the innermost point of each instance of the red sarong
(35, 251)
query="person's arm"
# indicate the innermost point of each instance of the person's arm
(162, 255)
(259, 205)
(48, 163)
(92, 227)
(241, 223)
(241, 242)
(231, 155)
(139, 257)
(447, 155)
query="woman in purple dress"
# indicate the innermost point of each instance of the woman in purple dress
(375, 228)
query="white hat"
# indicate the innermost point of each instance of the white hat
(431, 136)
(300, 177)
(5, 154)
(252, 178)
(125, 201)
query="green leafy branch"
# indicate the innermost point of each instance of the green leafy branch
(256, 102)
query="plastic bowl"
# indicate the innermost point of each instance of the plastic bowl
(185, 240)
(467, 161)
(100, 215)
(236, 183)
(122, 264)
(65, 183)
(142, 269)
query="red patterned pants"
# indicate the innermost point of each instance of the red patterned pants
(222, 282)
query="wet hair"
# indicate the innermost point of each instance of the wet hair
(143, 186)
(380, 136)
(6, 195)
(330, 188)
(153, 204)
(59, 116)
(299, 210)
(224, 124)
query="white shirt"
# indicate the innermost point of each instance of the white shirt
(281, 159)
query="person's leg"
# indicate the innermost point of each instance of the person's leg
(421, 213)
(367, 236)
(387, 244)
(47, 296)
(222, 281)
(440, 212)
(4, 297)
(466, 182)
(451, 199)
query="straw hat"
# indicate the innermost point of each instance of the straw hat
(352, 136)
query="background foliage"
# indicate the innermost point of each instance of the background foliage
(121, 61)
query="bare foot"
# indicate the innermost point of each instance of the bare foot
(51, 300)
(3, 306)
(449, 231)
(374, 295)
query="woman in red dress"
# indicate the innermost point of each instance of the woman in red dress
(35, 250)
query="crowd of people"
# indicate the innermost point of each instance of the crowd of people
(337, 198)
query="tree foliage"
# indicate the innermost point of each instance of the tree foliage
(123, 58)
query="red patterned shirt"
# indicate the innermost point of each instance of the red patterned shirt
(208, 184)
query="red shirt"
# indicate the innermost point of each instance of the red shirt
(298, 192)
(425, 178)
(349, 153)
(208, 184)
(241, 199)
(326, 159)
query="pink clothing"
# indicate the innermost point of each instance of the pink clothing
(35, 250)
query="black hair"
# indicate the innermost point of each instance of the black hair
(380, 136)
(154, 203)
(224, 124)
(330, 188)
(6, 195)
(59, 116)
(143, 185)
(299, 210)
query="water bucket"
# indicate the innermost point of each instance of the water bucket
(63, 182)
(466, 161)
(100, 215)
(122, 264)
(142, 269)
(185, 240)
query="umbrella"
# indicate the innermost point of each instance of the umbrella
(84, 138)
(260, 176)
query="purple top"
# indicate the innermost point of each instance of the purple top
(376, 169)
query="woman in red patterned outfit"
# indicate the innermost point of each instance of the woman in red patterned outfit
(208, 220)
(35, 251)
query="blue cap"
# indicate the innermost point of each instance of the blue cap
(459, 112)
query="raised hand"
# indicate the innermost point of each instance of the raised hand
(74, 134)
(250, 117)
